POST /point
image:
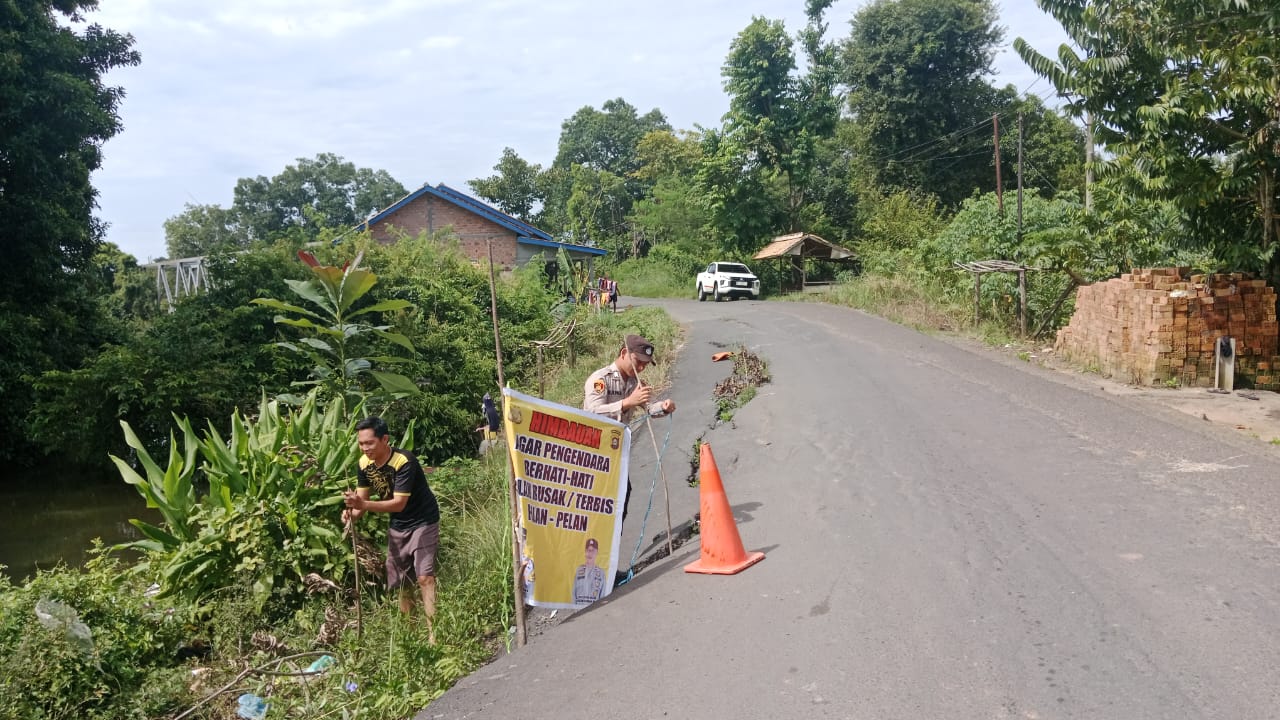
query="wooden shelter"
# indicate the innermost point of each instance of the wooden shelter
(982, 267)
(797, 247)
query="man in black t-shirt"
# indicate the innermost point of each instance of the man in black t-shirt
(414, 535)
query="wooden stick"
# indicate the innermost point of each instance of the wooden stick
(665, 493)
(355, 555)
(513, 499)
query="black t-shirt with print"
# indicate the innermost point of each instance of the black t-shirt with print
(402, 474)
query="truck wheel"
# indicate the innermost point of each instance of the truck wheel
(701, 295)
(715, 294)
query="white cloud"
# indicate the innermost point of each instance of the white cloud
(440, 42)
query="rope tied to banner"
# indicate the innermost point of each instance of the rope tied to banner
(657, 470)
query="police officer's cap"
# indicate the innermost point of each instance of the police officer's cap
(639, 346)
(592, 544)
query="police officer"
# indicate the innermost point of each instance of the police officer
(588, 580)
(615, 390)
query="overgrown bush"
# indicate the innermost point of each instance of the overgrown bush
(129, 666)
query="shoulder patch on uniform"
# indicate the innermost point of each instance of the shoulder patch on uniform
(598, 386)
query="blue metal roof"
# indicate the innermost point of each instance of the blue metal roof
(566, 246)
(490, 211)
(525, 233)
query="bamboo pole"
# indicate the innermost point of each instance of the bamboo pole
(513, 500)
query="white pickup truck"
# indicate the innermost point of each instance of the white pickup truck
(727, 280)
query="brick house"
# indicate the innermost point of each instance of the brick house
(475, 224)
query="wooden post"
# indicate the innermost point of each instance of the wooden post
(541, 385)
(977, 296)
(1048, 318)
(513, 499)
(1022, 301)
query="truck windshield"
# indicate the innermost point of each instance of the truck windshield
(733, 268)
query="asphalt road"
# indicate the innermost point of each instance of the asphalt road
(949, 534)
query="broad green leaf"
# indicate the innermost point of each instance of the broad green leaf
(317, 344)
(384, 306)
(167, 541)
(296, 322)
(309, 291)
(132, 477)
(355, 285)
(154, 474)
(396, 338)
(392, 382)
(285, 307)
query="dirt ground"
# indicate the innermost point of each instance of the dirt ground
(1250, 413)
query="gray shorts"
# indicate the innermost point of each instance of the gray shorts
(411, 554)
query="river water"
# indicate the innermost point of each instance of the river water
(41, 526)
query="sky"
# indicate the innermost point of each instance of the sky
(429, 90)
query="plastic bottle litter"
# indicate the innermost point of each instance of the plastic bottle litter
(252, 707)
(322, 663)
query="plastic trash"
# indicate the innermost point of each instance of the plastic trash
(322, 663)
(251, 707)
(56, 615)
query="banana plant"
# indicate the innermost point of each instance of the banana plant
(331, 331)
(270, 513)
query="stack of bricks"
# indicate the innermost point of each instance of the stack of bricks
(1159, 325)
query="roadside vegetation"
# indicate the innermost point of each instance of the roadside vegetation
(250, 578)
(231, 411)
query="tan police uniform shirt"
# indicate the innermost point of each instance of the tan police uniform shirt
(605, 390)
(588, 583)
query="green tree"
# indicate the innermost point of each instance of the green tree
(202, 230)
(596, 184)
(514, 189)
(606, 139)
(1183, 96)
(212, 354)
(327, 192)
(915, 72)
(777, 116)
(673, 210)
(55, 113)
(598, 205)
(744, 203)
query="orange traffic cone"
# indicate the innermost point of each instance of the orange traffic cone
(722, 552)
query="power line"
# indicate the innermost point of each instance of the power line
(941, 157)
(960, 132)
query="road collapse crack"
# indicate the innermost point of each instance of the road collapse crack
(749, 373)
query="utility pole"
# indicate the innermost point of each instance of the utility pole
(1022, 274)
(995, 139)
(1088, 163)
